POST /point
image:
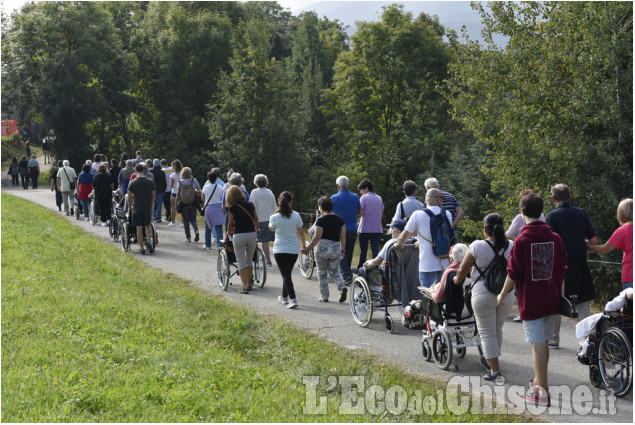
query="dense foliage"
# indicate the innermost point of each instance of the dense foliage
(248, 86)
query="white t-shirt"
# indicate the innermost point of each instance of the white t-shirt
(484, 255)
(174, 179)
(168, 173)
(66, 178)
(420, 222)
(517, 226)
(95, 165)
(208, 189)
(286, 241)
(264, 201)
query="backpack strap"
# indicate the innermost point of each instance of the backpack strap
(250, 216)
(403, 213)
(431, 214)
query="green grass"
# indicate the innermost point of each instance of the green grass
(89, 334)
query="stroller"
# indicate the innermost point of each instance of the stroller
(449, 326)
(608, 346)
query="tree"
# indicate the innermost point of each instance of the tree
(555, 105)
(63, 64)
(251, 121)
(386, 112)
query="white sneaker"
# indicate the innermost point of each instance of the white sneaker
(282, 300)
(293, 304)
(87, 218)
(104, 224)
(172, 224)
(181, 225)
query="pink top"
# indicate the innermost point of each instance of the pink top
(623, 239)
(438, 291)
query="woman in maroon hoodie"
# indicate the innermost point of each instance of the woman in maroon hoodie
(536, 265)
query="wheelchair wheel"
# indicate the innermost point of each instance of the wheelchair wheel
(426, 350)
(92, 212)
(594, 376)
(260, 268)
(151, 242)
(125, 237)
(390, 324)
(361, 302)
(442, 348)
(615, 362)
(113, 228)
(307, 264)
(222, 270)
(460, 352)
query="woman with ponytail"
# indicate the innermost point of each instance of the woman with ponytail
(286, 223)
(489, 315)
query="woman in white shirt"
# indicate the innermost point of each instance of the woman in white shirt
(174, 187)
(265, 203)
(489, 315)
(213, 203)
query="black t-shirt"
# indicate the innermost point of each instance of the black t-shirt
(242, 221)
(101, 183)
(331, 225)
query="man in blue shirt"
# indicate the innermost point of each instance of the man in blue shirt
(574, 227)
(346, 204)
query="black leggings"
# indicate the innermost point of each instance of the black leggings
(285, 264)
(104, 206)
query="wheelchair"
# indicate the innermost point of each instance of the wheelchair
(609, 351)
(118, 215)
(128, 234)
(393, 285)
(448, 327)
(307, 262)
(226, 266)
(93, 209)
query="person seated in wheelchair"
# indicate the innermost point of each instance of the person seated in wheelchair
(618, 311)
(437, 290)
(395, 229)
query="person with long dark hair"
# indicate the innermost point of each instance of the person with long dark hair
(103, 186)
(23, 169)
(13, 172)
(489, 315)
(242, 224)
(286, 223)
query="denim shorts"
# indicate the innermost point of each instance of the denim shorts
(539, 330)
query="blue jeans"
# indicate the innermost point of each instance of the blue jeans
(345, 264)
(364, 238)
(626, 285)
(34, 182)
(86, 208)
(218, 234)
(428, 278)
(158, 203)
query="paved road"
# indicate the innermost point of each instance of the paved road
(333, 322)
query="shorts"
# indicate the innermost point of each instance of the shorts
(539, 330)
(141, 219)
(265, 234)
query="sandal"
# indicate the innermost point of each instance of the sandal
(244, 290)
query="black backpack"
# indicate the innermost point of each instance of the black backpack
(496, 271)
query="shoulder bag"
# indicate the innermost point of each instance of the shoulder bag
(256, 226)
(72, 183)
(210, 198)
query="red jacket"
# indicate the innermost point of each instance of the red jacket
(537, 261)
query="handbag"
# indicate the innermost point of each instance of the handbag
(72, 184)
(567, 308)
(179, 207)
(202, 211)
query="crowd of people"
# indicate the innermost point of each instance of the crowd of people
(545, 256)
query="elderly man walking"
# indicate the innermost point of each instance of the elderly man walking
(346, 204)
(65, 176)
(574, 227)
(430, 266)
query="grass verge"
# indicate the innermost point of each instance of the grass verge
(89, 334)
